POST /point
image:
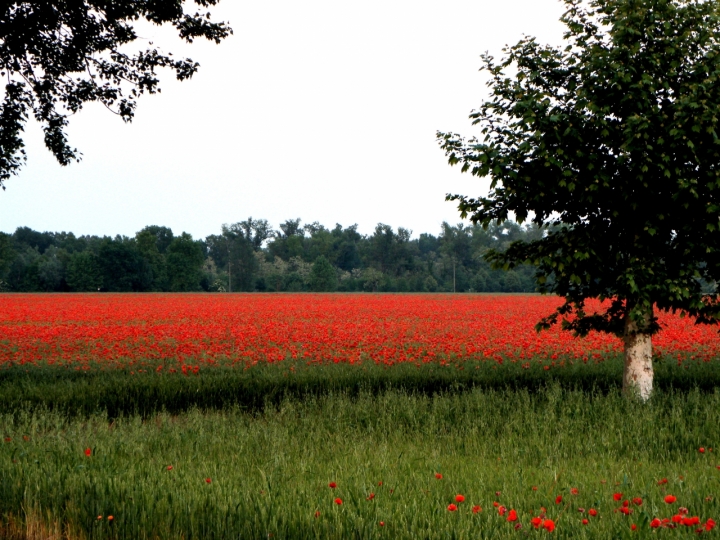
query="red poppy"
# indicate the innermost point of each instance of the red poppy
(338, 501)
(592, 512)
(110, 518)
(382, 524)
(496, 504)
(625, 510)
(452, 507)
(709, 524)
(380, 483)
(626, 503)
(585, 521)
(438, 476)
(208, 480)
(581, 510)
(332, 485)
(670, 499)
(88, 452)
(549, 525)
(558, 499)
(617, 496)
(655, 523)
(574, 491)
(536, 522)
(701, 450)
(677, 518)
(317, 513)
(633, 527)
(8, 439)
(502, 510)
(169, 467)
(663, 481)
(637, 501)
(534, 488)
(512, 515)
(476, 509)
(459, 498)
(371, 497)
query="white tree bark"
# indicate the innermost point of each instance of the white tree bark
(638, 372)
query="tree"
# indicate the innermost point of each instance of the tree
(323, 277)
(83, 272)
(610, 143)
(57, 56)
(184, 263)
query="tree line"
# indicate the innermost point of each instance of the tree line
(250, 256)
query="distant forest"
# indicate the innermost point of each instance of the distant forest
(251, 256)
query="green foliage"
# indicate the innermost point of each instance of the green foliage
(611, 143)
(323, 277)
(83, 272)
(184, 262)
(269, 469)
(57, 56)
(250, 256)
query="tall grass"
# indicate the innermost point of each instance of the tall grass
(269, 467)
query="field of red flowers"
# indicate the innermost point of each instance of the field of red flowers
(192, 331)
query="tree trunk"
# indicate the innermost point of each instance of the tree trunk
(638, 372)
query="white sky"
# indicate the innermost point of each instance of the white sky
(324, 110)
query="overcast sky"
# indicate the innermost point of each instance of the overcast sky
(324, 110)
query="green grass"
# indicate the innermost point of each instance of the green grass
(139, 389)
(271, 456)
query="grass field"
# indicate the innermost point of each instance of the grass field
(122, 449)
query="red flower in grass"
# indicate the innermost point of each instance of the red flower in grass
(592, 512)
(88, 452)
(438, 476)
(690, 521)
(709, 524)
(459, 498)
(663, 481)
(655, 523)
(549, 525)
(670, 499)
(633, 527)
(317, 514)
(558, 499)
(534, 488)
(476, 509)
(332, 485)
(625, 510)
(677, 518)
(338, 501)
(208, 480)
(169, 467)
(502, 510)
(536, 522)
(452, 507)
(701, 450)
(637, 501)
(110, 518)
(585, 521)
(617, 496)
(574, 491)
(371, 497)
(382, 523)
(512, 515)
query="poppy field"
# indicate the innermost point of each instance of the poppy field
(345, 416)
